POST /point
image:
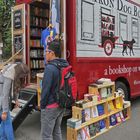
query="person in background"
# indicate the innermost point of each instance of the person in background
(11, 81)
(51, 113)
(47, 36)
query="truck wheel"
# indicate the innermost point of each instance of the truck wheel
(108, 47)
(120, 86)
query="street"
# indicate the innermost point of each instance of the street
(130, 130)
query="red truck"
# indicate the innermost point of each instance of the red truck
(101, 39)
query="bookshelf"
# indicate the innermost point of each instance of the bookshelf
(93, 117)
(38, 21)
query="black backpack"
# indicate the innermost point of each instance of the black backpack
(66, 92)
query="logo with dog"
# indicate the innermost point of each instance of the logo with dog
(127, 46)
(110, 40)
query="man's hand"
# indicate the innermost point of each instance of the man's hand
(4, 116)
(17, 104)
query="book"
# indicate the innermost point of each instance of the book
(74, 123)
(111, 106)
(87, 114)
(84, 134)
(94, 112)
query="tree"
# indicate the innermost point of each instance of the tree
(5, 26)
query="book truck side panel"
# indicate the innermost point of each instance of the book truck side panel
(108, 31)
(104, 29)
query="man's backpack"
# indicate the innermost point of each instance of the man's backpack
(66, 93)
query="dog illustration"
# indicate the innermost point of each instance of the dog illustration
(128, 44)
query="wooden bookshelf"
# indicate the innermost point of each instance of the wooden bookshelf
(38, 21)
(113, 107)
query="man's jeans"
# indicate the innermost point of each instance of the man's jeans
(51, 119)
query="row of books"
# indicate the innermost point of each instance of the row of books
(39, 11)
(92, 99)
(37, 21)
(98, 110)
(36, 64)
(92, 112)
(36, 53)
(35, 43)
(35, 32)
(90, 131)
(93, 129)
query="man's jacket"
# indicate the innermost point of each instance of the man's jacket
(50, 82)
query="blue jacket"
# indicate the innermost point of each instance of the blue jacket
(50, 82)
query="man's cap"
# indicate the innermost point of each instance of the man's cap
(55, 47)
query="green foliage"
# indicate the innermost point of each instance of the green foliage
(5, 26)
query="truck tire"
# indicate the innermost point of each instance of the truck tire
(122, 87)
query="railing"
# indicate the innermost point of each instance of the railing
(10, 59)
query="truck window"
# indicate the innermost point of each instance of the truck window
(87, 21)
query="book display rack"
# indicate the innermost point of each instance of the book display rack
(99, 111)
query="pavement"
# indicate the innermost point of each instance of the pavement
(129, 130)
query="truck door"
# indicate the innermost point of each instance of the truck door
(18, 32)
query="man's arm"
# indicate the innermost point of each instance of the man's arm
(46, 87)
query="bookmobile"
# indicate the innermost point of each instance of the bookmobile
(101, 39)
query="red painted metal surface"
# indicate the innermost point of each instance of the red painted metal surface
(89, 69)
(23, 1)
